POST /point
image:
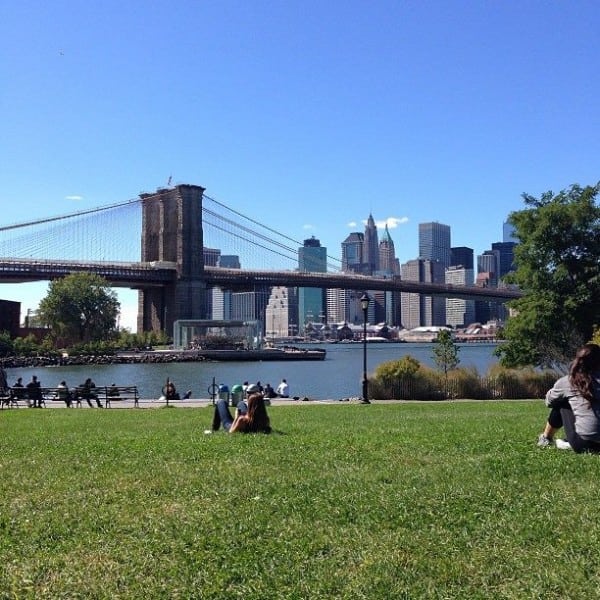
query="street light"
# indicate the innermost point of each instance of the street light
(364, 302)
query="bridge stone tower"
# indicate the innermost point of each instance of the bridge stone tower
(172, 232)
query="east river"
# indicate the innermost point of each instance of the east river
(338, 376)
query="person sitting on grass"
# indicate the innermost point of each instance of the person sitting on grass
(269, 391)
(169, 391)
(283, 389)
(256, 420)
(574, 402)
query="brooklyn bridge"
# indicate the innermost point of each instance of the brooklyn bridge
(160, 244)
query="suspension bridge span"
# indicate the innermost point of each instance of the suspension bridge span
(170, 270)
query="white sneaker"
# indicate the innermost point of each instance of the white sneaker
(562, 444)
(544, 442)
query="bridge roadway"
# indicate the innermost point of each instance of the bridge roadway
(156, 274)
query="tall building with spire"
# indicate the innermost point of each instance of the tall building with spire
(371, 247)
(388, 263)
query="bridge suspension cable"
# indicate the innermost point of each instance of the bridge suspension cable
(107, 233)
(68, 216)
(258, 239)
(112, 233)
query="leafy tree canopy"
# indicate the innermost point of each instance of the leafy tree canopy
(80, 307)
(557, 264)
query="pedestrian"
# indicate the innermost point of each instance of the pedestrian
(283, 389)
(256, 420)
(574, 402)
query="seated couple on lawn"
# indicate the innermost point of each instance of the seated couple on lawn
(250, 415)
(574, 402)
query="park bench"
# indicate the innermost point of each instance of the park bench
(106, 395)
(7, 398)
(115, 393)
(11, 396)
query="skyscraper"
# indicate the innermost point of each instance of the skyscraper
(506, 257)
(312, 257)
(221, 299)
(461, 256)
(352, 252)
(370, 247)
(417, 309)
(389, 266)
(459, 311)
(508, 233)
(434, 243)
(281, 312)
(388, 263)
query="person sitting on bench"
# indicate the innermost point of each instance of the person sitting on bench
(64, 394)
(85, 391)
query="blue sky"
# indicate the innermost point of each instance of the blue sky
(305, 115)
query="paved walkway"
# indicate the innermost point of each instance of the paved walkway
(195, 403)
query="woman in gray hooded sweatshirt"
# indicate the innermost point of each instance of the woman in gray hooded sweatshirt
(574, 401)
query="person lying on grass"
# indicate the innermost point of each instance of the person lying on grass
(255, 420)
(574, 402)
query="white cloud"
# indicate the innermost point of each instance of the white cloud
(308, 227)
(74, 198)
(129, 308)
(391, 222)
(352, 224)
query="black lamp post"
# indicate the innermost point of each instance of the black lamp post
(364, 302)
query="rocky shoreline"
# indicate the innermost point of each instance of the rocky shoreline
(17, 362)
(165, 356)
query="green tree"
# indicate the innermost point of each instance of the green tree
(26, 346)
(445, 354)
(6, 344)
(80, 307)
(558, 269)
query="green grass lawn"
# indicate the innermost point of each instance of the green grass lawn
(423, 500)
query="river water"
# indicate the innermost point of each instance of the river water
(338, 376)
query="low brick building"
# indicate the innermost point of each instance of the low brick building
(10, 313)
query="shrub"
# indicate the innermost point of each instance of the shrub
(407, 379)
(92, 348)
(466, 383)
(392, 377)
(519, 383)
